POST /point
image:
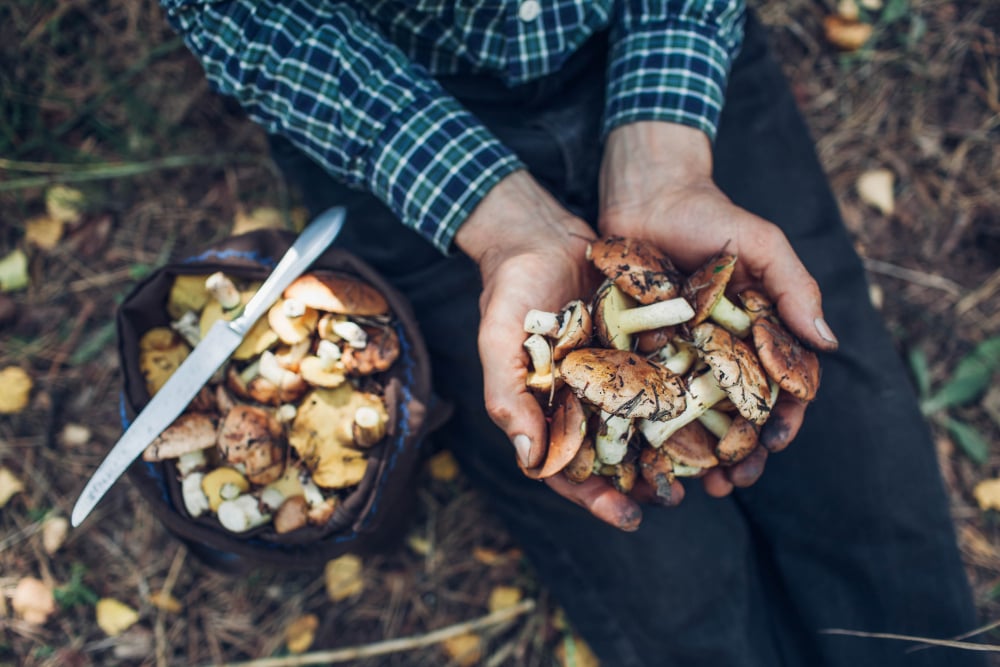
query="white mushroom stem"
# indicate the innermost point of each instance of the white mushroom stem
(230, 491)
(731, 317)
(241, 514)
(274, 372)
(285, 413)
(352, 333)
(678, 358)
(329, 353)
(703, 392)
(224, 290)
(195, 500)
(687, 471)
(188, 326)
(543, 323)
(369, 426)
(292, 308)
(271, 498)
(655, 315)
(540, 353)
(188, 463)
(611, 440)
(250, 372)
(312, 493)
(716, 421)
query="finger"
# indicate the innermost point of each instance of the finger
(749, 470)
(599, 498)
(783, 423)
(670, 495)
(768, 256)
(716, 483)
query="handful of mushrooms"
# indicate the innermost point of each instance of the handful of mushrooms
(660, 376)
(281, 433)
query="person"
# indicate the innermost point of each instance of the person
(478, 147)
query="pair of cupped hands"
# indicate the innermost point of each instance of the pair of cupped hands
(655, 184)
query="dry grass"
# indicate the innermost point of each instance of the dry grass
(92, 81)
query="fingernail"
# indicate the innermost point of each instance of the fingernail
(630, 519)
(522, 444)
(824, 330)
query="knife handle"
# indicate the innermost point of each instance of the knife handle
(309, 245)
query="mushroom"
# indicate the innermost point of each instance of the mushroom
(567, 429)
(737, 370)
(192, 431)
(292, 515)
(252, 436)
(224, 291)
(570, 328)
(691, 449)
(637, 267)
(337, 293)
(223, 483)
(241, 514)
(705, 289)
(616, 316)
(292, 321)
(259, 338)
(369, 424)
(737, 442)
(794, 368)
(377, 355)
(703, 391)
(188, 326)
(623, 475)
(611, 437)
(658, 470)
(581, 467)
(623, 383)
(542, 375)
(196, 501)
(324, 368)
(187, 294)
(289, 386)
(161, 352)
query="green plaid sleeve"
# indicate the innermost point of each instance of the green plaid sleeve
(670, 60)
(320, 75)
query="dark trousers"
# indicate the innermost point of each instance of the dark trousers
(848, 528)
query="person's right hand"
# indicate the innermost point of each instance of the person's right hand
(531, 253)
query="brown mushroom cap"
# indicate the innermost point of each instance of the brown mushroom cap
(292, 515)
(337, 293)
(736, 368)
(692, 446)
(658, 470)
(567, 429)
(581, 466)
(576, 329)
(637, 267)
(245, 428)
(377, 356)
(623, 383)
(191, 432)
(706, 286)
(291, 329)
(786, 361)
(739, 440)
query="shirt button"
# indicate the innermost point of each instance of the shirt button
(529, 10)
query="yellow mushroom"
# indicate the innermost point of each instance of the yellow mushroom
(223, 482)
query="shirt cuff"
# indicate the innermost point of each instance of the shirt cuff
(432, 165)
(675, 71)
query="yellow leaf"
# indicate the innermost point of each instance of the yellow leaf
(465, 650)
(264, 217)
(65, 204)
(115, 617)
(846, 35)
(443, 466)
(420, 545)
(848, 9)
(343, 577)
(14, 271)
(574, 652)
(15, 389)
(43, 232)
(987, 494)
(33, 600)
(300, 217)
(504, 597)
(10, 486)
(166, 602)
(875, 188)
(54, 532)
(301, 632)
(492, 557)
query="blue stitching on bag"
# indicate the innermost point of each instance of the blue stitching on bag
(257, 258)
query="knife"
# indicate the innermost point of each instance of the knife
(205, 359)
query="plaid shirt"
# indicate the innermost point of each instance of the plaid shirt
(351, 82)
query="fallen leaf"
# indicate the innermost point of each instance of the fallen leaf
(165, 602)
(64, 204)
(504, 597)
(492, 557)
(43, 232)
(343, 577)
(264, 217)
(846, 35)
(848, 9)
(300, 633)
(420, 545)
(574, 652)
(10, 486)
(875, 188)
(443, 467)
(14, 271)
(15, 389)
(54, 532)
(466, 650)
(33, 600)
(976, 548)
(115, 617)
(987, 494)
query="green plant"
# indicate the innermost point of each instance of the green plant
(75, 591)
(967, 384)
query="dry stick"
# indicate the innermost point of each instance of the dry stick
(916, 277)
(392, 645)
(62, 354)
(980, 294)
(971, 633)
(924, 640)
(166, 591)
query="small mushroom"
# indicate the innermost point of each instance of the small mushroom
(292, 321)
(692, 450)
(570, 328)
(289, 386)
(623, 475)
(224, 291)
(637, 267)
(259, 338)
(377, 355)
(624, 383)
(187, 294)
(581, 467)
(192, 431)
(223, 483)
(161, 352)
(542, 376)
(567, 429)
(658, 470)
(736, 444)
(786, 361)
(737, 369)
(196, 501)
(252, 436)
(703, 391)
(292, 515)
(241, 514)
(369, 424)
(320, 513)
(616, 317)
(337, 293)
(324, 369)
(611, 437)
(705, 289)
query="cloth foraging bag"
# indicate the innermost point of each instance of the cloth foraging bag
(372, 513)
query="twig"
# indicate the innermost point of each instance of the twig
(970, 646)
(392, 645)
(965, 635)
(980, 294)
(109, 170)
(916, 277)
(62, 354)
(166, 592)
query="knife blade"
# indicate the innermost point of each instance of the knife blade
(205, 359)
